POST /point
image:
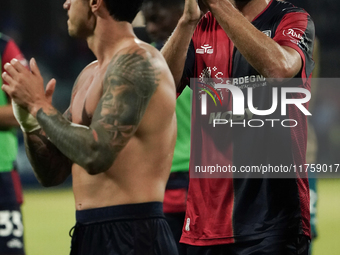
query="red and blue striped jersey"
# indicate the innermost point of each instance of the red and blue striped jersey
(228, 210)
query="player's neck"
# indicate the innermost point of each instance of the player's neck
(108, 38)
(253, 8)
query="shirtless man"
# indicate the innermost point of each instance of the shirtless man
(117, 137)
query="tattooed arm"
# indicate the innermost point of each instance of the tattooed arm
(128, 85)
(51, 167)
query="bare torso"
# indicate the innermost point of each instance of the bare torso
(140, 171)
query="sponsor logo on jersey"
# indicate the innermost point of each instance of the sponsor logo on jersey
(295, 34)
(205, 49)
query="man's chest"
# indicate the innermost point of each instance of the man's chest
(85, 99)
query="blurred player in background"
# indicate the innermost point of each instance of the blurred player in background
(117, 137)
(11, 227)
(245, 38)
(312, 146)
(161, 17)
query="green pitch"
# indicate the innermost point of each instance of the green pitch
(328, 216)
(49, 215)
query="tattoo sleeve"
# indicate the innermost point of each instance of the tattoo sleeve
(128, 85)
(50, 166)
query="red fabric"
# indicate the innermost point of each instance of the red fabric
(289, 31)
(175, 200)
(210, 202)
(299, 146)
(298, 25)
(17, 186)
(12, 51)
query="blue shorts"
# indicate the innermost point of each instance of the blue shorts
(11, 230)
(11, 227)
(138, 229)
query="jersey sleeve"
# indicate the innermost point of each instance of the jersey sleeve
(11, 51)
(296, 30)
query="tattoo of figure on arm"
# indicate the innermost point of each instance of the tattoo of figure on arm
(129, 83)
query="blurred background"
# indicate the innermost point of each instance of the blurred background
(39, 28)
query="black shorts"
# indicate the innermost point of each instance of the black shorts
(138, 229)
(273, 245)
(11, 230)
(176, 221)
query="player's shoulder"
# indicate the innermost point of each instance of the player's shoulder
(284, 7)
(131, 63)
(140, 64)
(139, 57)
(84, 75)
(88, 69)
(141, 50)
(278, 11)
(90, 66)
(4, 40)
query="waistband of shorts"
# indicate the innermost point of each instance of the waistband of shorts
(121, 212)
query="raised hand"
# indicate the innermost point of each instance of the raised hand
(27, 88)
(192, 12)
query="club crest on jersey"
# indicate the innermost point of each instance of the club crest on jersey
(205, 49)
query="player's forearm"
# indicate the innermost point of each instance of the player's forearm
(50, 166)
(7, 119)
(82, 145)
(263, 53)
(175, 49)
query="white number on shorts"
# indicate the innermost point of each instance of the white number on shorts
(10, 223)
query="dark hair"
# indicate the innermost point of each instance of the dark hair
(167, 3)
(123, 10)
